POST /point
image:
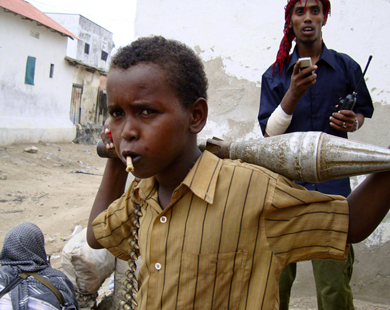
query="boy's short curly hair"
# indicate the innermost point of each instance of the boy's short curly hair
(184, 69)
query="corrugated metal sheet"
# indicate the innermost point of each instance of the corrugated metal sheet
(29, 11)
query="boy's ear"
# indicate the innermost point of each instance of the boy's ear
(199, 112)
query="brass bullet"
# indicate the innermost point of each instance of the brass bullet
(127, 285)
(125, 305)
(126, 294)
(134, 232)
(132, 265)
(131, 277)
(134, 221)
(138, 212)
(133, 244)
(133, 255)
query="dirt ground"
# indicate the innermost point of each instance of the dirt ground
(55, 188)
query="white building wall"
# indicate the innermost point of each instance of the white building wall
(70, 22)
(238, 41)
(40, 112)
(244, 37)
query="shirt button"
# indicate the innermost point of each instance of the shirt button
(157, 266)
(163, 219)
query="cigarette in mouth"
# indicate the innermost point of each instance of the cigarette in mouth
(130, 166)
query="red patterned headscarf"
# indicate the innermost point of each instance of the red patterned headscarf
(286, 43)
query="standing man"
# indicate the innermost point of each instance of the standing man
(305, 100)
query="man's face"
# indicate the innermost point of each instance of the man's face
(307, 21)
(147, 120)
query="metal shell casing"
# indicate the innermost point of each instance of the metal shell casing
(312, 156)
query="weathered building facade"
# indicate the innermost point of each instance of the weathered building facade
(35, 78)
(90, 56)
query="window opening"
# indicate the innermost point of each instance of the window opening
(51, 70)
(86, 48)
(30, 70)
(104, 56)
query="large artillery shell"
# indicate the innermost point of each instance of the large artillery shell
(305, 156)
(312, 156)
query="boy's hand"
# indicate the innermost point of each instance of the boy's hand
(106, 135)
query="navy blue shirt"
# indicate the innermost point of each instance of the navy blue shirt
(337, 76)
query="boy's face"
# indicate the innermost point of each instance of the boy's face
(148, 122)
(307, 21)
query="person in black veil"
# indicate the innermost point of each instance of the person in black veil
(26, 279)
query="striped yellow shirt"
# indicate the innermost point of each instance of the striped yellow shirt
(230, 229)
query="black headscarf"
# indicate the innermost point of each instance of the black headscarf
(24, 251)
(282, 56)
(24, 246)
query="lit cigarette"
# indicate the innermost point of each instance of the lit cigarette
(130, 166)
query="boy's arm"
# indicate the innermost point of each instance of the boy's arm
(368, 205)
(111, 188)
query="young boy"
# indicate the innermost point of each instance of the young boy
(212, 233)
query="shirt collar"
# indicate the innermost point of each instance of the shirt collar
(201, 180)
(325, 56)
(203, 177)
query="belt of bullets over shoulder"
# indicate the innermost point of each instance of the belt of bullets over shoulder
(130, 284)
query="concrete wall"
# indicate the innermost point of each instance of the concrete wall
(99, 40)
(237, 41)
(39, 112)
(90, 82)
(70, 22)
(88, 32)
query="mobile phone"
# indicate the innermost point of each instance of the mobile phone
(305, 63)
